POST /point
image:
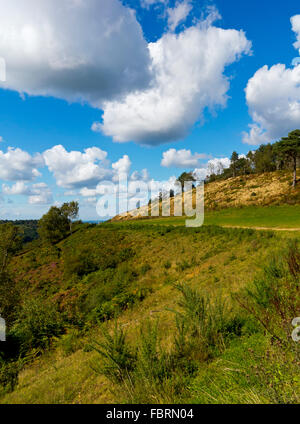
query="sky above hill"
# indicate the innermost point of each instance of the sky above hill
(144, 88)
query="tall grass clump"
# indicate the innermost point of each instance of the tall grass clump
(202, 324)
(158, 371)
(119, 360)
(273, 300)
(273, 297)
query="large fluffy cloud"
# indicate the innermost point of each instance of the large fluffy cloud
(72, 49)
(173, 158)
(76, 169)
(189, 77)
(273, 98)
(17, 165)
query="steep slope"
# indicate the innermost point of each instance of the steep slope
(107, 272)
(272, 188)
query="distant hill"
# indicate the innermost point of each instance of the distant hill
(273, 188)
(29, 228)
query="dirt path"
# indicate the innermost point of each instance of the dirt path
(262, 228)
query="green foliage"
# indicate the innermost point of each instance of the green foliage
(38, 322)
(9, 298)
(10, 243)
(167, 265)
(145, 268)
(80, 262)
(288, 149)
(206, 322)
(267, 158)
(273, 298)
(200, 352)
(110, 292)
(27, 227)
(70, 211)
(119, 359)
(70, 342)
(185, 177)
(53, 226)
(9, 372)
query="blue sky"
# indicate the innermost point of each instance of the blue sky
(59, 83)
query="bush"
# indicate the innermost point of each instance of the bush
(119, 359)
(146, 373)
(144, 269)
(9, 372)
(126, 254)
(70, 342)
(79, 262)
(167, 265)
(38, 322)
(201, 323)
(273, 297)
(121, 302)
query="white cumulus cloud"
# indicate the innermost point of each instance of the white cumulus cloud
(121, 168)
(18, 165)
(76, 169)
(38, 194)
(77, 50)
(295, 20)
(189, 77)
(184, 158)
(19, 188)
(273, 98)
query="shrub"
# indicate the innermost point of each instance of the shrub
(273, 297)
(144, 269)
(120, 302)
(70, 342)
(38, 322)
(81, 262)
(205, 322)
(126, 254)
(119, 358)
(167, 265)
(9, 372)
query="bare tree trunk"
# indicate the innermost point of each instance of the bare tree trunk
(295, 173)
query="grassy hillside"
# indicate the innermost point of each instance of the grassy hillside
(133, 312)
(246, 200)
(285, 217)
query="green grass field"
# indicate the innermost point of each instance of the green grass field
(281, 217)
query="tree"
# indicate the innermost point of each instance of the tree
(71, 211)
(289, 149)
(234, 158)
(54, 226)
(264, 159)
(243, 166)
(10, 242)
(185, 177)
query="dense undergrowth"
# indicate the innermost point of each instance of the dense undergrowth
(146, 314)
